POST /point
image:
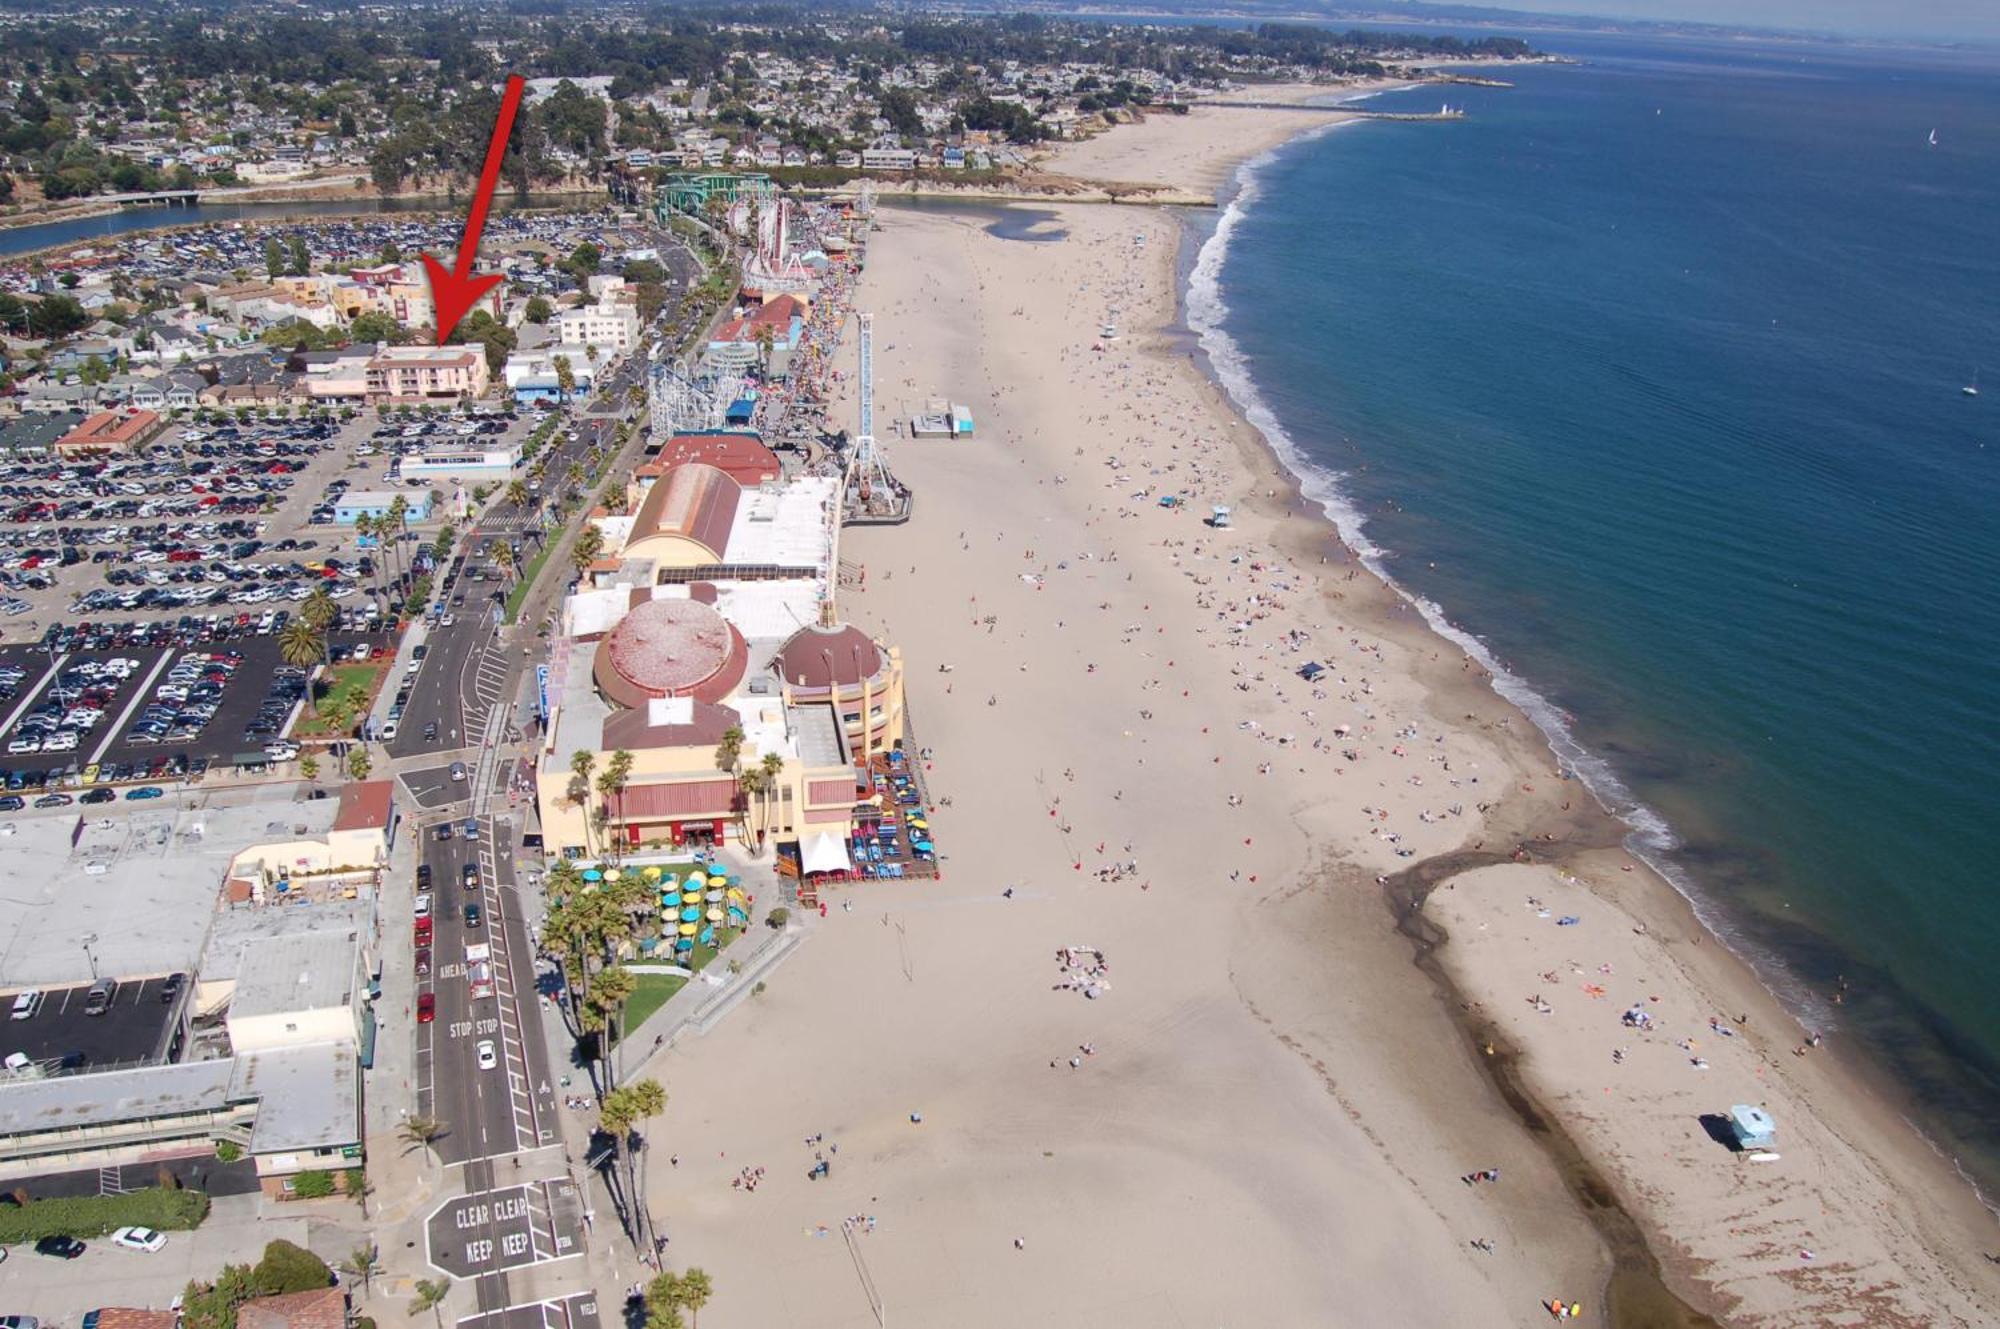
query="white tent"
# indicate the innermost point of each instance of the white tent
(825, 852)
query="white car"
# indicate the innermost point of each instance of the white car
(423, 905)
(139, 1239)
(488, 1058)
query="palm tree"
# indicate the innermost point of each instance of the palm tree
(364, 1263)
(614, 987)
(503, 558)
(431, 1293)
(422, 1133)
(582, 763)
(773, 767)
(304, 646)
(752, 782)
(617, 775)
(620, 1114)
(318, 609)
(589, 544)
(517, 493)
(730, 750)
(765, 337)
(695, 1288)
(565, 377)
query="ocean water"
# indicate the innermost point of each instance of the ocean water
(1646, 379)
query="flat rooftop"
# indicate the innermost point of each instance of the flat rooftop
(787, 525)
(235, 928)
(308, 1097)
(304, 972)
(150, 909)
(70, 1101)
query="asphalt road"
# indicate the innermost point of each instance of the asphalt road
(510, 1108)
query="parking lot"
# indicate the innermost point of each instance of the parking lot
(216, 516)
(163, 712)
(134, 1028)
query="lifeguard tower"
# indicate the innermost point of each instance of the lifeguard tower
(1752, 1127)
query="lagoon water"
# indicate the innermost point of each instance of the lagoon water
(1648, 375)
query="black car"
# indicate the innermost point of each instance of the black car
(423, 876)
(97, 795)
(171, 988)
(63, 1248)
(472, 915)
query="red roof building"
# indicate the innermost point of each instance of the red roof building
(321, 1308)
(109, 432)
(739, 455)
(686, 517)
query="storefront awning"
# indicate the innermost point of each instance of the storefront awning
(825, 853)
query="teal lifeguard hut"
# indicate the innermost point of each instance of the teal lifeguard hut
(1752, 1127)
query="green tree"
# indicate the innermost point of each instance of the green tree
(303, 646)
(214, 1305)
(430, 1294)
(584, 260)
(54, 317)
(318, 609)
(421, 1133)
(539, 310)
(358, 763)
(289, 1268)
(623, 1113)
(565, 376)
(375, 327)
(517, 493)
(730, 750)
(301, 257)
(309, 766)
(589, 544)
(617, 776)
(313, 1185)
(274, 257)
(363, 1262)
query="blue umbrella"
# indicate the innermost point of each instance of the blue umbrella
(592, 874)
(707, 936)
(690, 914)
(684, 944)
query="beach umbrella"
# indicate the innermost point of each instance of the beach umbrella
(737, 916)
(684, 944)
(690, 914)
(689, 929)
(707, 936)
(735, 894)
(712, 896)
(650, 872)
(592, 874)
(612, 874)
(714, 915)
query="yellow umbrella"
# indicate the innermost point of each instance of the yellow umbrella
(689, 929)
(690, 897)
(650, 873)
(735, 894)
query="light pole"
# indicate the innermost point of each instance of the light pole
(88, 938)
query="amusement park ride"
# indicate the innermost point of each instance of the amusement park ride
(871, 494)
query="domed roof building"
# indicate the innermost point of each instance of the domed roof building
(841, 665)
(670, 647)
(818, 657)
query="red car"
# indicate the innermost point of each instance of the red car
(424, 931)
(427, 1006)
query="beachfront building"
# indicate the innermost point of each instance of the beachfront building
(688, 631)
(425, 373)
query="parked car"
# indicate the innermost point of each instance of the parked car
(102, 993)
(68, 1248)
(139, 1239)
(426, 1007)
(144, 792)
(472, 915)
(99, 795)
(458, 770)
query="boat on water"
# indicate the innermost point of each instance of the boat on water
(1934, 138)
(1971, 389)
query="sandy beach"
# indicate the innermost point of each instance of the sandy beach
(1267, 1113)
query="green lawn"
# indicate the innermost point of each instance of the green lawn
(526, 581)
(650, 995)
(350, 682)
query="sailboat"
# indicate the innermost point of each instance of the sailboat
(1972, 389)
(1934, 138)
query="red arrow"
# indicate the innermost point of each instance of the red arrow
(455, 292)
